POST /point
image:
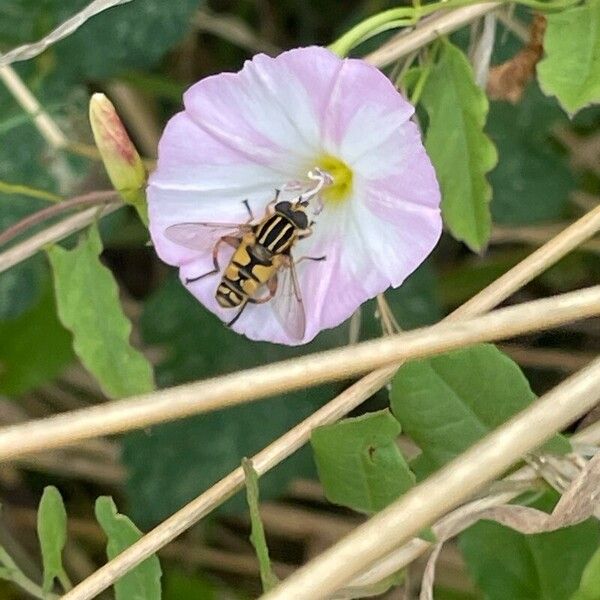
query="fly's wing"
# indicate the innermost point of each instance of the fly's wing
(202, 236)
(287, 303)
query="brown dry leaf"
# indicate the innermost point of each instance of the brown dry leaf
(507, 81)
(576, 505)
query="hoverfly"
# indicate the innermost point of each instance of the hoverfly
(262, 256)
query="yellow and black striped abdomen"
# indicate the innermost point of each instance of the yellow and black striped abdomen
(245, 274)
(276, 234)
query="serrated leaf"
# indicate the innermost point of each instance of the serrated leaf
(170, 465)
(88, 305)
(52, 533)
(571, 69)
(142, 582)
(448, 402)
(589, 586)
(507, 564)
(257, 536)
(461, 152)
(35, 347)
(359, 462)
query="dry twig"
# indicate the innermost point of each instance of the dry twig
(298, 373)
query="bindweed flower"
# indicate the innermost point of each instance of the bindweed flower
(121, 160)
(243, 136)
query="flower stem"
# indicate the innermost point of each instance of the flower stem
(405, 16)
(90, 199)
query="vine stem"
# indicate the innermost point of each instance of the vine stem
(444, 490)
(352, 397)
(54, 233)
(297, 373)
(427, 31)
(408, 15)
(93, 198)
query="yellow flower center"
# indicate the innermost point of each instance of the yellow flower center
(341, 188)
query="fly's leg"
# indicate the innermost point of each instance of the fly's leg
(228, 239)
(272, 287)
(306, 232)
(271, 205)
(315, 258)
(250, 213)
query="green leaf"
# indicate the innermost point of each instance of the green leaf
(447, 403)
(178, 585)
(35, 347)
(547, 566)
(171, 464)
(532, 181)
(132, 36)
(88, 305)
(461, 152)
(359, 462)
(52, 533)
(589, 586)
(257, 536)
(142, 582)
(571, 69)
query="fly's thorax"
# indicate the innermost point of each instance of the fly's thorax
(294, 212)
(278, 232)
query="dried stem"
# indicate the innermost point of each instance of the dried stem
(298, 373)
(65, 29)
(427, 31)
(93, 198)
(295, 438)
(48, 128)
(535, 235)
(444, 490)
(54, 233)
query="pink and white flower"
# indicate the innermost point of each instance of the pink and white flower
(243, 135)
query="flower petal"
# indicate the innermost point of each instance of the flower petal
(243, 135)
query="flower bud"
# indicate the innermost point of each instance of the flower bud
(121, 160)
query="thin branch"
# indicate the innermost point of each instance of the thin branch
(47, 127)
(566, 361)
(444, 490)
(234, 30)
(54, 233)
(536, 235)
(427, 31)
(352, 397)
(298, 373)
(93, 198)
(65, 29)
(536, 263)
